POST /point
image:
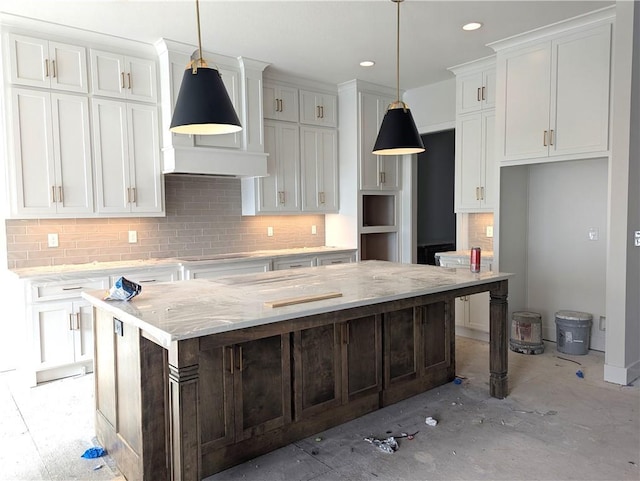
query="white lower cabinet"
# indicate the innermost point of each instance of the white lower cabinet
(283, 263)
(473, 311)
(331, 259)
(61, 328)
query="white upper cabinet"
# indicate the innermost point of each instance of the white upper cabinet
(280, 102)
(319, 159)
(127, 157)
(377, 172)
(120, 76)
(475, 179)
(52, 156)
(476, 91)
(40, 63)
(318, 109)
(554, 96)
(279, 192)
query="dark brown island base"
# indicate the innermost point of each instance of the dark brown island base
(196, 376)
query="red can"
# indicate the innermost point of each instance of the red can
(475, 259)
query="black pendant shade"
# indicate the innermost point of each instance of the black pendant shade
(398, 134)
(203, 106)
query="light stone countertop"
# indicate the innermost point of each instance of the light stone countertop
(182, 310)
(74, 271)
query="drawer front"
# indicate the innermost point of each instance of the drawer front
(149, 276)
(335, 259)
(290, 263)
(223, 270)
(48, 291)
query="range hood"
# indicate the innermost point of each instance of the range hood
(240, 154)
(214, 162)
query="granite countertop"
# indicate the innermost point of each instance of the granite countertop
(170, 312)
(73, 271)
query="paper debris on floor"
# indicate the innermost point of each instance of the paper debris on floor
(430, 421)
(388, 445)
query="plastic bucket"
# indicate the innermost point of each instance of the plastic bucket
(573, 332)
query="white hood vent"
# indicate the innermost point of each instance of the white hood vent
(231, 155)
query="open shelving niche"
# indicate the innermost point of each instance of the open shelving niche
(379, 227)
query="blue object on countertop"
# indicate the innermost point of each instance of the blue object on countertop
(457, 381)
(580, 374)
(93, 453)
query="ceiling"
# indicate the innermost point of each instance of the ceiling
(320, 40)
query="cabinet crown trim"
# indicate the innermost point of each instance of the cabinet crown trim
(586, 20)
(479, 64)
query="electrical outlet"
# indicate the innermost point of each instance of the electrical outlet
(489, 231)
(269, 231)
(52, 240)
(314, 231)
(637, 238)
(594, 234)
(133, 237)
(602, 323)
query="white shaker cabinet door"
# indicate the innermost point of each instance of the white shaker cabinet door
(468, 161)
(580, 88)
(142, 83)
(144, 159)
(527, 103)
(33, 153)
(118, 76)
(111, 155)
(72, 151)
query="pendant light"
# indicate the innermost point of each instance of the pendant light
(398, 134)
(203, 106)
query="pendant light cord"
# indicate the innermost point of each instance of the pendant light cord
(200, 59)
(398, 53)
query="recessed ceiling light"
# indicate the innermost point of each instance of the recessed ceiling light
(367, 63)
(472, 26)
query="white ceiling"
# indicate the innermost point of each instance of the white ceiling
(321, 40)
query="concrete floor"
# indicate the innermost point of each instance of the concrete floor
(553, 426)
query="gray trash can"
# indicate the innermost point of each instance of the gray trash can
(573, 332)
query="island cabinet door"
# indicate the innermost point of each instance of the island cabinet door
(361, 357)
(262, 385)
(401, 345)
(437, 360)
(316, 367)
(216, 397)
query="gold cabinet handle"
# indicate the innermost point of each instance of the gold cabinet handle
(53, 194)
(53, 67)
(46, 67)
(60, 194)
(129, 79)
(122, 79)
(318, 112)
(241, 366)
(322, 111)
(71, 321)
(478, 95)
(544, 138)
(551, 137)
(483, 97)
(481, 193)
(281, 197)
(133, 195)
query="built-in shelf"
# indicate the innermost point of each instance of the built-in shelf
(378, 210)
(381, 246)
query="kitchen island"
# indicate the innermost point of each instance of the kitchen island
(194, 377)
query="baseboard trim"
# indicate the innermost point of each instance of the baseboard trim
(622, 375)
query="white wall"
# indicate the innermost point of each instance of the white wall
(566, 270)
(433, 106)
